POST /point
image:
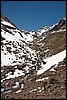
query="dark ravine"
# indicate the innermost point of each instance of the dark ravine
(22, 55)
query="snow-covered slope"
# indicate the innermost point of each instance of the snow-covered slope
(14, 45)
(6, 21)
(43, 30)
(58, 27)
(55, 59)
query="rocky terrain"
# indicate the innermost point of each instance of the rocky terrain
(33, 64)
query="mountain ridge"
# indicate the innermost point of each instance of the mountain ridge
(6, 19)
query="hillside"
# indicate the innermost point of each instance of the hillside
(33, 64)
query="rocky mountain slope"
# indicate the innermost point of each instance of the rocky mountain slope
(33, 64)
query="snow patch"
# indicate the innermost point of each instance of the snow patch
(42, 79)
(52, 69)
(41, 89)
(18, 91)
(33, 90)
(22, 86)
(17, 73)
(39, 79)
(16, 85)
(55, 59)
(7, 23)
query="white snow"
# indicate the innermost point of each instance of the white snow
(27, 37)
(17, 36)
(16, 39)
(2, 80)
(64, 18)
(5, 58)
(53, 26)
(39, 79)
(42, 79)
(50, 61)
(60, 30)
(46, 78)
(8, 36)
(47, 50)
(43, 30)
(33, 90)
(32, 32)
(55, 65)
(2, 89)
(52, 69)
(53, 32)
(10, 57)
(15, 67)
(26, 68)
(22, 86)
(2, 71)
(64, 30)
(18, 91)
(7, 91)
(7, 23)
(16, 85)
(41, 89)
(17, 73)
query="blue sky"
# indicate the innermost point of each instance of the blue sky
(32, 15)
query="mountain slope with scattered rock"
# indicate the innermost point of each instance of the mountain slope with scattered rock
(33, 63)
